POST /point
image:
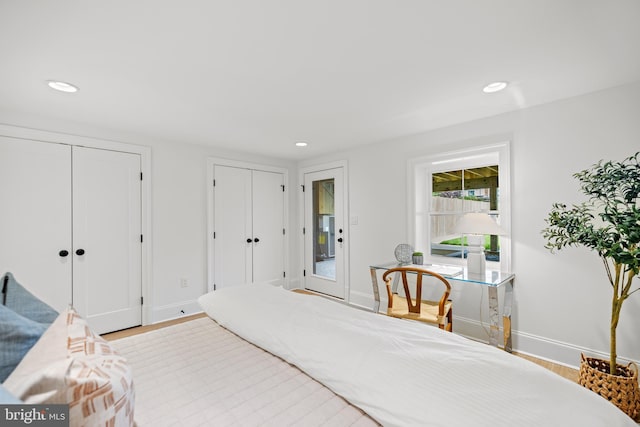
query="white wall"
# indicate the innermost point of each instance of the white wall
(561, 301)
(178, 210)
(180, 223)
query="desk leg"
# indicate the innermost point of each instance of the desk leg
(396, 281)
(494, 314)
(506, 315)
(376, 292)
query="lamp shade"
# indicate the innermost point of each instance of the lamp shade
(478, 223)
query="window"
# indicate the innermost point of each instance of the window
(449, 185)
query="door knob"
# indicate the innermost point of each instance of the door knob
(249, 240)
(80, 252)
(256, 240)
(339, 239)
(63, 253)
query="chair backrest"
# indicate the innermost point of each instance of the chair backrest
(414, 307)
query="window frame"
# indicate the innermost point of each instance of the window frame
(420, 189)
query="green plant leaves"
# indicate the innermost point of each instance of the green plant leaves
(609, 221)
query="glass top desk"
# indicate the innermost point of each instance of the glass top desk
(492, 279)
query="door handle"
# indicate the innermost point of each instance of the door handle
(249, 240)
(63, 253)
(80, 252)
(256, 240)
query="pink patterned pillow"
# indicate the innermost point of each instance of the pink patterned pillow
(72, 365)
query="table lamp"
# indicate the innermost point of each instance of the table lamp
(476, 225)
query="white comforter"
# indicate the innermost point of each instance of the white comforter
(406, 373)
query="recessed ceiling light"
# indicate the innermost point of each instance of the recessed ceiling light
(301, 144)
(62, 86)
(494, 87)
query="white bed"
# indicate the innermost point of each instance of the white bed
(405, 373)
(199, 374)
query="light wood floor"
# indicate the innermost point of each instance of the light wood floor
(569, 373)
(142, 329)
(564, 371)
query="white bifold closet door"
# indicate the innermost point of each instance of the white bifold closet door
(70, 228)
(107, 238)
(35, 217)
(249, 226)
(268, 227)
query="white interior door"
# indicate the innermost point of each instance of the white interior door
(324, 239)
(268, 227)
(233, 240)
(35, 217)
(107, 248)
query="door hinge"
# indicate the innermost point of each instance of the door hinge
(214, 234)
(141, 238)
(214, 182)
(304, 231)
(141, 300)
(140, 176)
(284, 274)
(304, 272)
(302, 188)
(4, 290)
(282, 188)
(283, 231)
(214, 286)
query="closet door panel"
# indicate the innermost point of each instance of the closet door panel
(35, 217)
(107, 252)
(268, 224)
(232, 219)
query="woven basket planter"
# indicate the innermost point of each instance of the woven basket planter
(621, 390)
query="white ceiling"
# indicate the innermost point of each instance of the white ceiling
(259, 75)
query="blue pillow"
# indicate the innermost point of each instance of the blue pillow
(17, 335)
(20, 300)
(7, 398)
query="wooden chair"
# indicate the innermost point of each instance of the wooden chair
(405, 307)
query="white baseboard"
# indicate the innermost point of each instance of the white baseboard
(361, 300)
(558, 352)
(294, 283)
(175, 311)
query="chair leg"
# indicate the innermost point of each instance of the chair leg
(450, 320)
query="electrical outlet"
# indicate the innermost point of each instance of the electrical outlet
(184, 282)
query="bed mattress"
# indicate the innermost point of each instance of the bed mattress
(199, 374)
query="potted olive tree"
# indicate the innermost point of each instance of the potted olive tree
(609, 224)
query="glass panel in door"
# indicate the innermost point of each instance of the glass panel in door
(324, 261)
(325, 235)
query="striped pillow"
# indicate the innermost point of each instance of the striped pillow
(72, 365)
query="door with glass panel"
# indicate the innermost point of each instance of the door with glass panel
(324, 238)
